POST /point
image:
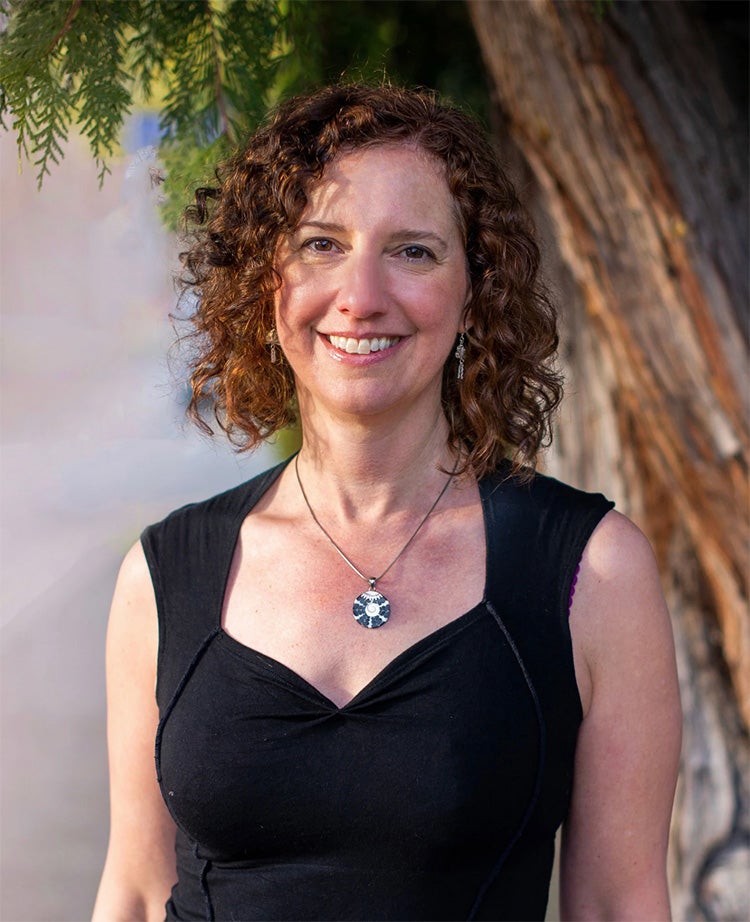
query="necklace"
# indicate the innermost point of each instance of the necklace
(371, 608)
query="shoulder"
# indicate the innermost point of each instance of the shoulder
(228, 500)
(618, 567)
(619, 619)
(134, 579)
(540, 491)
(618, 548)
(550, 521)
(208, 513)
(132, 630)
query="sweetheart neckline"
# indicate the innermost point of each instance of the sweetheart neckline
(246, 508)
(424, 644)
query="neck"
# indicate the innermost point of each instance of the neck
(362, 471)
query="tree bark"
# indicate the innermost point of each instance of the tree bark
(625, 131)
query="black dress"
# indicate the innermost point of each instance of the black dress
(435, 793)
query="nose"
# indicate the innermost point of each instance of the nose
(362, 291)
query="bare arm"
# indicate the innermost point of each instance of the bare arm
(140, 866)
(613, 861)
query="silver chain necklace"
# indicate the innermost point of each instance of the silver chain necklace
(371, 608)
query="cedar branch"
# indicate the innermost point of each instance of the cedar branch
(72, 12)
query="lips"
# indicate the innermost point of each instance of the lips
(362, 346)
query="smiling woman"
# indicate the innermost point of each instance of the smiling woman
(261, 205)
(365, 260)
(373, 280)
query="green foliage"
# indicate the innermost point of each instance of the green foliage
(212, 67)
(210, 64)
(185, 167)
(53, 75)
(216, 65)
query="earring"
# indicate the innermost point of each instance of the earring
(273, 340)
(460, 354)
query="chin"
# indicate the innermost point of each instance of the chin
(355, 401)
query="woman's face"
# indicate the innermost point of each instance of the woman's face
(374, 285)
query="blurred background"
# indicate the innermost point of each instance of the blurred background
(94, 448)
(625, 127)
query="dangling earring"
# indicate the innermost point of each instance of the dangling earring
(273, 340)
(460, 354)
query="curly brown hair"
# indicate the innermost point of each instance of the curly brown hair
(503, 405)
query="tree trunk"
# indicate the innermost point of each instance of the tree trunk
(627, 132)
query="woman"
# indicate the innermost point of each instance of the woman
(364, 263)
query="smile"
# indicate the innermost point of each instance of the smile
(362, 346)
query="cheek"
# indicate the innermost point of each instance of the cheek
(444, 302)
(296, 321)
(301, 293)
(291, 302)
(284, 312)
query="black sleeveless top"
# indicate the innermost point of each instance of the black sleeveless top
(435, 793)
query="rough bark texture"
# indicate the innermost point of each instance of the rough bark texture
(626, 134)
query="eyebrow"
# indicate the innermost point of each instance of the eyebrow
(416, 234)
(321, 225)
(405, 234)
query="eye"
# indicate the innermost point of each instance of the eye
(416, 253)
(319, 245)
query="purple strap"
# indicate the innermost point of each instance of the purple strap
(573, 587)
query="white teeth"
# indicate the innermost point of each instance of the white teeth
(362, 346)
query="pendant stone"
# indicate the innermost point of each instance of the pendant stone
(371, 608)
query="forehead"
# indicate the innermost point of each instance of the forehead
(385, 177)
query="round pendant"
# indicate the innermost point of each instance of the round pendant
(371, 609)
